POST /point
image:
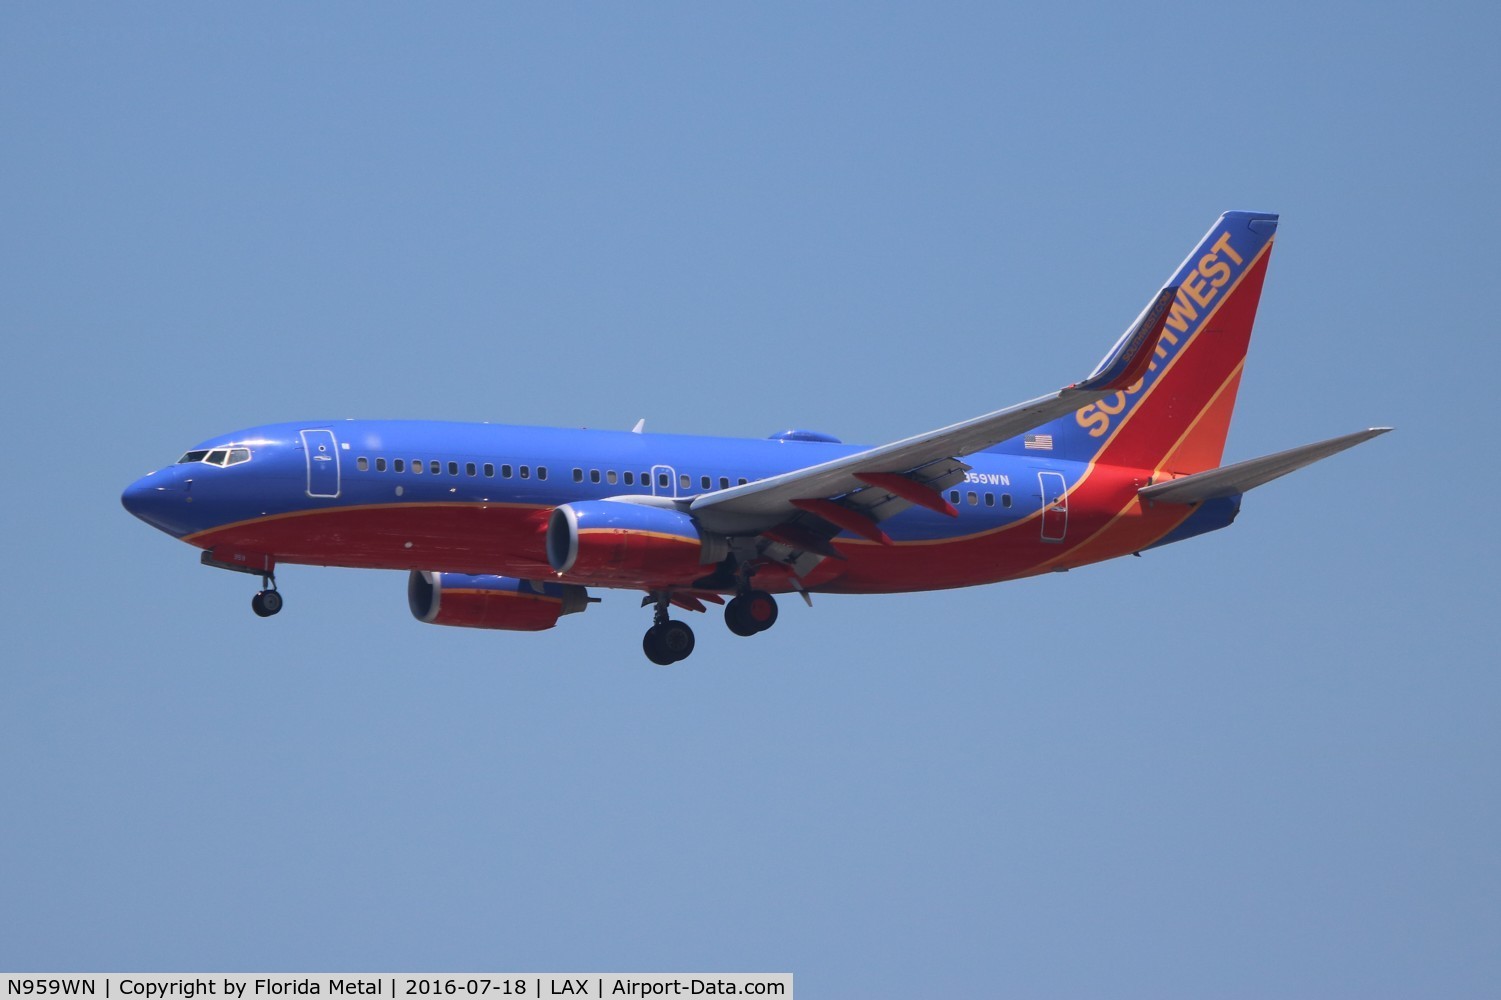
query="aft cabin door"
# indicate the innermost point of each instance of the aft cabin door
(1054, 506)
(322, 463)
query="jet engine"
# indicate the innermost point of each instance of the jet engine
(491, 601)
(615, 543)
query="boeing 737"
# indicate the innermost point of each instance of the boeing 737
(504, 527)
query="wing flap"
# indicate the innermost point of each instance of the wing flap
(1232, 480)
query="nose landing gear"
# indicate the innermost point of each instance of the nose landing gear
(268, 601)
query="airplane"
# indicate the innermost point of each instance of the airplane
(506, 527)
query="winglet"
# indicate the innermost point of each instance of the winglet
(1129, 358)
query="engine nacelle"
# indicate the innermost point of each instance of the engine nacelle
(618, 543)
(491, 601)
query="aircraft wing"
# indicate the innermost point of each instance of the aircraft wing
(1242, 476)
(929, 461)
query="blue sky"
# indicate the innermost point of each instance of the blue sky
(1264, 762)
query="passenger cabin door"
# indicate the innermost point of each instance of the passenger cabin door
(664, 481)
(322, 463)
(1054, 506)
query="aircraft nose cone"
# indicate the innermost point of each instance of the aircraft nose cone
(147, 497)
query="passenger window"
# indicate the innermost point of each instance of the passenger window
(542, 472)
(724, 482)
(740, 481)
(469, 469)
(453, 468)
(990, 499)
(630, 479)
(1005, 499)
(973, 498)
(505, 472)
(416, 466)
(400, 465)
(380, 465)
(610, 477)
(362, 463)
(663, 481)
(578, 475)
(526, 472)
(489, 471)
(686, 481)
(953, 496)
(435, 467)
(705, 481)
(593, 475)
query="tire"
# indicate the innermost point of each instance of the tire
(266, 603)
(760, 609)
(654, 648)
(678, 640)
(737, 619)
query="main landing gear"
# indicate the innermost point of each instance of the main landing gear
(751, 612)
(667, 641)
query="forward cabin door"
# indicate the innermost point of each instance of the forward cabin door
(322, 463)
(1054, 506)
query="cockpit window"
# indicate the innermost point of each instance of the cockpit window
(216, 456)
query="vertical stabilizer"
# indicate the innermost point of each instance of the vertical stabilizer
(1175, 417)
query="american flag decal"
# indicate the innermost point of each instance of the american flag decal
(1038, 442)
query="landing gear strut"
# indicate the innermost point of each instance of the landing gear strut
(666, 641)
(751, 612)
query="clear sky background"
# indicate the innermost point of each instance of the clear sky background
(1262, 763)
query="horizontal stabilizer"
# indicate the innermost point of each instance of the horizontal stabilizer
(1232, 480)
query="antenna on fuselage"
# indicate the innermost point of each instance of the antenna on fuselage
(640, 426)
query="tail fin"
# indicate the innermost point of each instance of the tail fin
(1175, 417)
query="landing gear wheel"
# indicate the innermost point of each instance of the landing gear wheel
(679, 640)
(668, 643)
(266, 603)
(651, 644)
(751, 612)
(737, 620)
